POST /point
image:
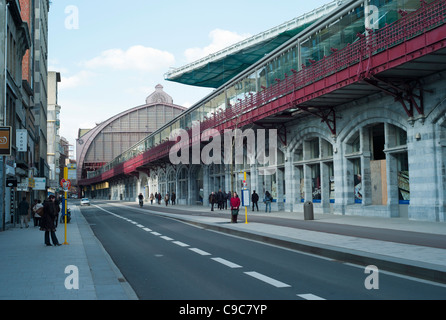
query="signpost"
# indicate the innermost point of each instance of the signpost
(245, 197)
(66, 185)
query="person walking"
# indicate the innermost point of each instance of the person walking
(23, 212)
(220, 199)
(268, 199)
(235, 205)
(255, 200)
(166, 199)
(141, 200)
(37, 217)
(212, 200)
(151, 198)
(173, 198)
(47, 222)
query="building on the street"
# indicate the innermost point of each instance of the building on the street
(111, 138)
(15, 101)
(40, 81)
(23, 63)
(357, 106)
(53, 126)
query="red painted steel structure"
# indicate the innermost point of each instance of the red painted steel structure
(411, 37)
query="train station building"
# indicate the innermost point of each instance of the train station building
(353, 93)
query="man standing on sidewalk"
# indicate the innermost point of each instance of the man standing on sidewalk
(23, 211)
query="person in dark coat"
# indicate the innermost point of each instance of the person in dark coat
(212, 200)
(23, 211)
(173, 198)
(255, 200)
(48, 221)
(220, 199)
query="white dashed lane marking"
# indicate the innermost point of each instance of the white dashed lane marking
(181, 244)
(227, 263)
(268, 280)
(201, 252)
(310, 296)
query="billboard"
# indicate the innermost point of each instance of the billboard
(5, 141)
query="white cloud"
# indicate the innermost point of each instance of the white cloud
(220, 39)
(135, 58)
(81, 78)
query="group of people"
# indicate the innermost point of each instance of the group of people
(220, 198)
(158, 197)
(45, 218)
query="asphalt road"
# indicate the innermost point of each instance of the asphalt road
(164, 259)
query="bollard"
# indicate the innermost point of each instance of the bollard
(308, 211)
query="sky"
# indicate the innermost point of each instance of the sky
(111, 54)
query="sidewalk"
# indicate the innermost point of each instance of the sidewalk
(29, 270)
(414, 260)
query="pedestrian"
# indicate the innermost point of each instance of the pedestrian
(141, 199)
(48, 220)
(23, 212)
(212, 200)
(235, 205)
(166, 199)
(37, 217)
(173, 198)
(158, 198)
(267, 200)
(255, 200)
(220, 199)
(151, 198)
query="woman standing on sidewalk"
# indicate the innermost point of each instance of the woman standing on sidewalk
(47, 223)
(235, 205)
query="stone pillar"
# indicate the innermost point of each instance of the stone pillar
(206, 186)
(423, 173)
(365, 167)
(290, 182)
(325, 188)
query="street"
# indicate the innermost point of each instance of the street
(164, 259)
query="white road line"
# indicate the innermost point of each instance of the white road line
(147, 229)
(309, 296)
(140, 225)
(166, 238)
(268, 280)
(155, 233)
(227, 263)
(181, 244)
(203, 253)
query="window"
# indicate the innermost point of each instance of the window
(357, 180)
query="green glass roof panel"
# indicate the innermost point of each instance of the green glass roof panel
(215, 73)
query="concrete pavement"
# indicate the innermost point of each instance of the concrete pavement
(31, 271)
